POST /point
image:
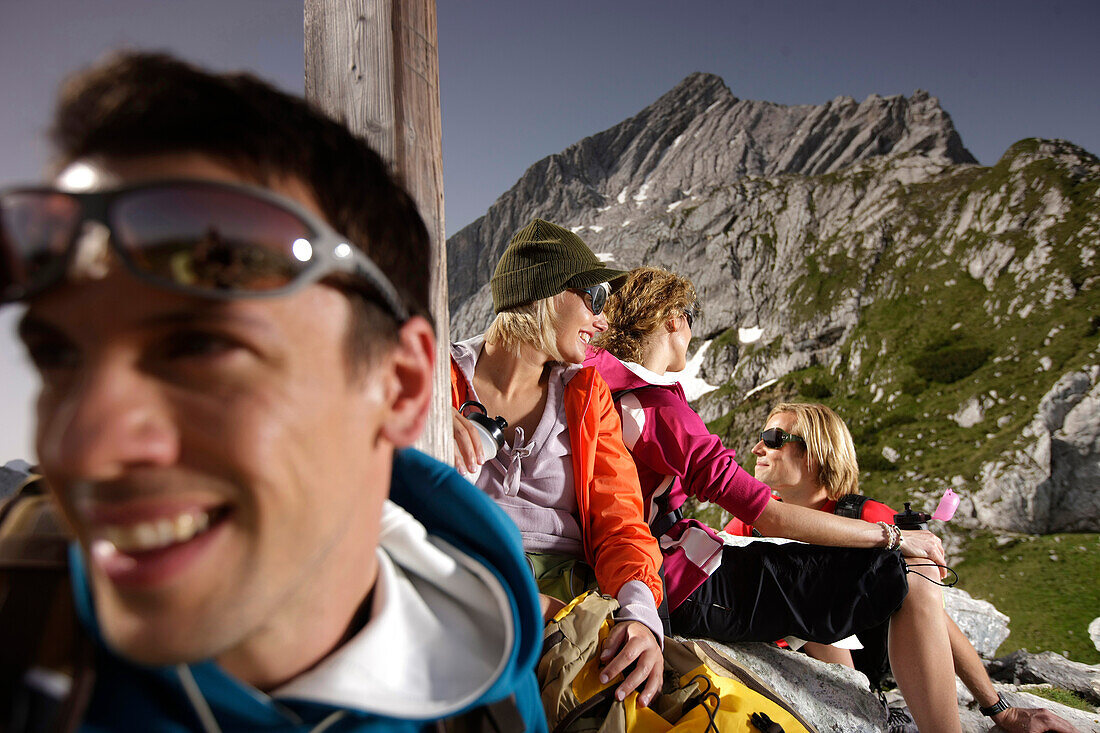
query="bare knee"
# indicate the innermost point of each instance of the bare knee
(924, 589)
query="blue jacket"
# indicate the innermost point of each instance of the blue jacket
(461, 524)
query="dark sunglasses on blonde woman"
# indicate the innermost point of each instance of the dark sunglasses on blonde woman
(776, 438)
(595, 297)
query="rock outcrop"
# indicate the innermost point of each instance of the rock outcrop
(983, 624)
(838, 699)
(1022, 668)
(835, 698)
(1052, 484)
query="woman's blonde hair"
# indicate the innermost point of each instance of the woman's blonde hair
(646, 301)
(533, 324)
(829, 446)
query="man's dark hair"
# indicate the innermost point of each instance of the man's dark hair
(138, 103)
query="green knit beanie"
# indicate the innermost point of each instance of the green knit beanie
(542, 260)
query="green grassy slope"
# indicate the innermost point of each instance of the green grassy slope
(931, 337)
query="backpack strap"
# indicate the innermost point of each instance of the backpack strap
(586, 708)
(46, 680)
(850, 505)
(619, 394)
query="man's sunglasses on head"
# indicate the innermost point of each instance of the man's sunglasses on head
(596, 297)
(776, 438)
(203, 238)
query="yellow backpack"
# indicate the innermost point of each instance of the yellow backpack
(703, 689)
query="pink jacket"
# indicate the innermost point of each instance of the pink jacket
(678, 457)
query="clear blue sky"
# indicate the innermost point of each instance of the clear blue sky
(521, 80)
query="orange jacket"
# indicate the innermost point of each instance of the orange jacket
(617, 542)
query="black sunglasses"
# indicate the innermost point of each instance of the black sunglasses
(210, 239)
(776, 438)
(691, 313)
(596, 297)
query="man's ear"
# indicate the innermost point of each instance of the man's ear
(410, 386)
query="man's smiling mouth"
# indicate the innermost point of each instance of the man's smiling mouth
(158, 533)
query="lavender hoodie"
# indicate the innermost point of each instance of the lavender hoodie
(678, 457)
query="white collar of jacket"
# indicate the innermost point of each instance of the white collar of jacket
(652, 377)
(440, 634)
(466, 353)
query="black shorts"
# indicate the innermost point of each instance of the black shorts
(765, 591)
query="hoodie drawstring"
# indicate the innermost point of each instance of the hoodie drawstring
(514, 469)
(206, 715)
(198, 702)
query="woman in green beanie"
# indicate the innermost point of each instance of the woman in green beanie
(563, 474)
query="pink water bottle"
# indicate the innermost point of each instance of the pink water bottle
(947, 506)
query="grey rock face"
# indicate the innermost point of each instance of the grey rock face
(1021, 667)
(720, 360)
(983, 624)
(1094, 632)
(1015, 695)
(831, 696)
(1052, 484)
(670, 156)
(835, 698)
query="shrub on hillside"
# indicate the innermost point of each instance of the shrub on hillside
(913, 385)
(871, 461)
(899, 417)
(816, 390)
(867, 433)
(949, 364)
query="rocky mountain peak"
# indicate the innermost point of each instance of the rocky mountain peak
(697, 86)
(696, 137)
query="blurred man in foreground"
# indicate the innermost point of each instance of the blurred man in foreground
(226, 297)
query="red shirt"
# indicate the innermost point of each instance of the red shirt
(873, 511)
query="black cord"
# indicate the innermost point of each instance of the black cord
(933, 565)
(707, 693)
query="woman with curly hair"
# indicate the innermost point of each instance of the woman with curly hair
(852, 578)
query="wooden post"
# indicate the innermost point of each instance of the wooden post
(373, 64)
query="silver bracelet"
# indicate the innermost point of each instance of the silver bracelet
(886, 533)
(892, 534)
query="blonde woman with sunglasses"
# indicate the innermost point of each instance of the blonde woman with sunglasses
(562, 473)
(853, 577)
(816, 473)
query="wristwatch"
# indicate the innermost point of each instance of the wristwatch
(998, 707)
